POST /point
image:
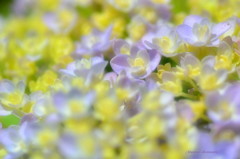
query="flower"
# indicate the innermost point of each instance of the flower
(164, 39)
(95, 43)
(121, 46)
(191, 65)
(210, 75)
(217, 149)
(61, 21)
(68, 146)
(74, 103)
(139, 64)
(13, 97)
(199, 31)
(224, 105)
(86, 68)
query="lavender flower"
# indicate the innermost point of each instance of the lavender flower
(73, 104)
(12, 139)
(121, 47)
(12, 94)
(86, 68)
(199, 31)
(61, 21)
(94, 44)
(164, 39)
(220, 149)
(139, 64)
(224, 105)
(68, 146)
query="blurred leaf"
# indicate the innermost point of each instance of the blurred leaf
(5, 7)
(85, 11)
(180, 6)
(6, 121)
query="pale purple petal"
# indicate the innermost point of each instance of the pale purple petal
(111, 77)
(120, 63)
(192, 19)
(189, 59)
(6, 86)
(70, 69)
(96, 60)
(220, 127)
(154, 59)
(99, 67)
(68, 146)
(118, 44)
(185, 32)
(220, 28)
(144, 55)
(221, 149)
(104, 42)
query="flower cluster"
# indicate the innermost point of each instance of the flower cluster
(120, 79)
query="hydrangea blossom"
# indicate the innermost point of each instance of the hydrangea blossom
(164, 39)
(119, 79)
(94, 44)
(139, 64)
(199, 31)
(86, 68)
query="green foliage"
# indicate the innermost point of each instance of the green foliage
(6, 121)
(5, 7)
(180, 6)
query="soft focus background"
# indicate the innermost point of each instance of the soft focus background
(118, 79)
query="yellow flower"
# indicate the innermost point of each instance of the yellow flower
(148, 13)
(151, 101)
(122, 93)
(165, 43)
(163, 68)
(107, 108)
(48, 5)
(44, 82)
(153, 127)
(136, 29)
(3, 153)
(59, 47)
(80, 126)
(198, 108)
(46, 137)
(171, 82)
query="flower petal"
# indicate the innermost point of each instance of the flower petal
(185, 32)
(220, 28)
(192, 19)
(119, 63)
(154, 59)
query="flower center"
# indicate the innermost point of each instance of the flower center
(138, 62)
(125, 50)
(165, 43)
(202, 31)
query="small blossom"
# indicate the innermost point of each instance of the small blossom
(61, 21)
(94, 44)
(138, 64)
(165, 39)
(86, 68)
(199, 31)
(224, 105)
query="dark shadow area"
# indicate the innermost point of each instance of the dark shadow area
(5, 7)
